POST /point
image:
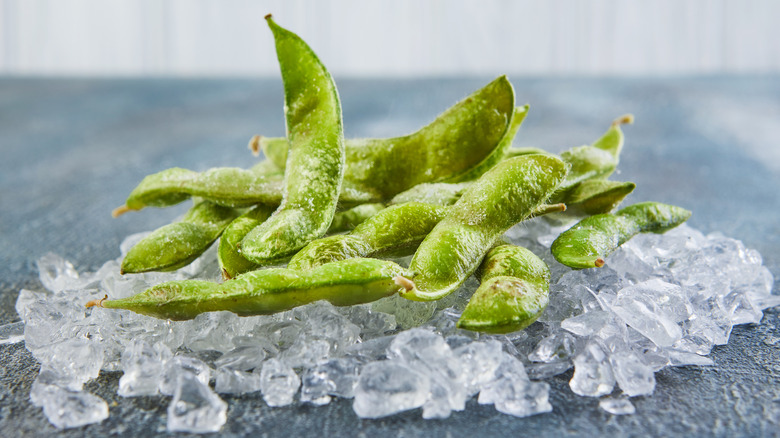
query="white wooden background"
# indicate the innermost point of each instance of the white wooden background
(391, 37)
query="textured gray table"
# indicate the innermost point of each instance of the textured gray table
(70, 151)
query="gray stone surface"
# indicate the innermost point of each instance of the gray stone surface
(72, 149)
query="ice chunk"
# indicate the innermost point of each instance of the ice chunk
(619, 405)
(143, 365)
(306, 352)
(233, 381)
(542, 371)
(407, 313)
(74, 362)
(48, 322)
(558, 347)
(388, 387)
(213, 331)
(243, 358)
(26, 299)
(336, 377)
(479, 362)
(593, 375)
(522, 399)
(679, 358)
(58, 274)
(12, 333)
(509, 370)
(182, 364)
(63, 408)
(372, 324)
(279, 383)
(195, 407)
(654, 308)
(633, 376)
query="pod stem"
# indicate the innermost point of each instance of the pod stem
(97, 303)
(119, 211)
(625, 119)
(404, 282)
(599, 262)
(254, 144)
(547, 209)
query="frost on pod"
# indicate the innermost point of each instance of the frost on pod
(661, 300)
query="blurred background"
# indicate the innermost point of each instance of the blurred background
(391, 38)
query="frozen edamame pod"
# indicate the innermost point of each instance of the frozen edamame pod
(502, 197)
(597, 196)
(233, 263)
(267, 291)
(598, 160)
(513, 291)
(586, 244)
(350, 218)
(472, 134)
(395, 231)
(229, 186)
(176, 245)
(516, 152)
(315, 164)
(432, 193)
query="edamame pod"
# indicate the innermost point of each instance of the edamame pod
(502, 197)
(586, 244)
(598, 160)
(463, 142)
(315, 165)
(597, 196)
(395, 231)
(348, 219)
(516, 152)
(513, 293)
(267, 291)
(432, 193)
(176, 245)
(233, 263)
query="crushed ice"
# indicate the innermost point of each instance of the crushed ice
(661, 300)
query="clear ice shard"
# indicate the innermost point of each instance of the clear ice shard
(66, 409)
(618, 405)
(336, 377)
(479, 362)
(232, 381)
(632, 375)
(73, 362)
(558, 347)
(143, 365)
(653, 308)
(278, 382)
(593, 376)
(195, 407)
(182, 364)
(388, 387)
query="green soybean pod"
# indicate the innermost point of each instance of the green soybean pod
(587, 243)
(315, 163)
(516, 152)
(267, 291)
(346, 220)
(176, 245)
(472, 134)
(502, 197)
(597, 196)
(598, 160)
(233, 263)
(395, 231)
(432, 193)
(513, 291)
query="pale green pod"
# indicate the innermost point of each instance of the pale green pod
(513, 291)
(268, 291)
(350, 218)
(463, 142)
(504, 196)
(315, 162)
(597, 196)
(590, 241)
(233, 263)
(432, 193)
(178, 244)
(395, 231)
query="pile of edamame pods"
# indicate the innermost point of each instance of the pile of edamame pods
(446, 194)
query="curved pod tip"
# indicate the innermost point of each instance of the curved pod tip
(625, 119)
